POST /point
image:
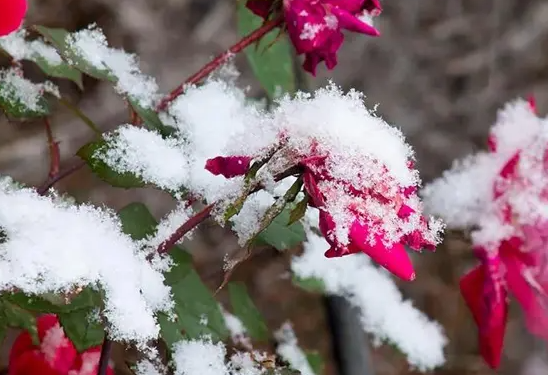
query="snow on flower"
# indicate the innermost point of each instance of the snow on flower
(51, 246)
(91, 44)
(13, 12)
(289, 350)
(356, 169)
(315, 26)
(383, 312)
(55, 353)
(502, 197)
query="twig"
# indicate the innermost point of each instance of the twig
(54, 154)
(105, 356)
(52, 181)
(219, 60)
(81, 115)
(190, 224)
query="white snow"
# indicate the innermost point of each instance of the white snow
(52, 247)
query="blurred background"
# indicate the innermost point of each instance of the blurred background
(440, 71)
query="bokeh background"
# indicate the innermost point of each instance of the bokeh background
(440, 71)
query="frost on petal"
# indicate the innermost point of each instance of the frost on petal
(43, 237)
(383, 312)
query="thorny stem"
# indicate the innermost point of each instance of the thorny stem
(105, 356)
(219, 60)
(195, 220)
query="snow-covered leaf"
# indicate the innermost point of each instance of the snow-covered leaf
(103, 171)
(59, 39)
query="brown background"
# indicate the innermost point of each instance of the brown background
(440, 71)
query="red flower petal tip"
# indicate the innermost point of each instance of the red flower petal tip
(12, 14)
(228, 166)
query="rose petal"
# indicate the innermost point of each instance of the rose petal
(261, 8)
(87, 363)
(313, 190)
(229, 166)
(31, 363)
(352, 23)
(491, 327)
(531, 295)
(13, 12)
(395, 259)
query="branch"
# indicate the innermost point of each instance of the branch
(54, 154)
(195, 220)
(105, 356)
(190, 224)
(52, 181)
(220, 60)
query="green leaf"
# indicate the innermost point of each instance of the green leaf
(181, 267)
(34, 303)
(15, 316)
(62, 70)
(137, 221)
(54, 303)
(271, 60)
(14, 105)
(3, 332)
(244, 308)
(310, 284)
(59, 39)
(197, 311)
(82, 328)
(151, 119)
(315, 361)
(299, 211)
(280, 235)
(170, 331)
(103, 171)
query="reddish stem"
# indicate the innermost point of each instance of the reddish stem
(184, 229)
(219, 60)
(54, 154)
(53, 180)
(195, 220)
